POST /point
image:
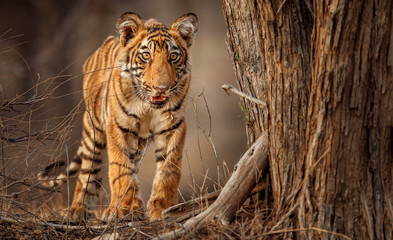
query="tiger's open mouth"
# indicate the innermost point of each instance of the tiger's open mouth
(158, 100)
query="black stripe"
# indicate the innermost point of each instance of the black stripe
(98, 182)
(173, 150)
(122, 165)
(90, 171)
(91, 180)
(72, 172)
(159, 150)
(160, 158)
(96, 144)
(100, 60)
(135, 160)
(156, 28)
(181, 84)
(136, 68)
(110, 38)
(90, 193)
(98, 129)
(99, 145)
(86, 191)
(126, 130)
(171, 128)
(54, 164)
(134, 157)
(146, 48)
(122, 175)
(95, 102)
(133, 56)
(125, 110)
(138, 75)
(46, 170)
(88, 148)
(161, 34)
(115, 53)
(178, 105)
(88, 64)
(108, 53)
(123, 92)
(106, 96)
(183, 53)
(93, 159)
(137, 46)
(77, 160)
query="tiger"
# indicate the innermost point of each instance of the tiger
(135, 92)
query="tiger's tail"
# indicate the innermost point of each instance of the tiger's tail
(59, 180)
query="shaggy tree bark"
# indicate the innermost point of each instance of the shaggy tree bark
(270, 45)
(325, 72)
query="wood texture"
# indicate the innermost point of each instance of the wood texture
(350, 120)
(325, 72)
(270, 44)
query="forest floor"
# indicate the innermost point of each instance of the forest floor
(247, 224)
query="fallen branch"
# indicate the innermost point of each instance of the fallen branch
(235, 191)
(193, 207)
(228, 87)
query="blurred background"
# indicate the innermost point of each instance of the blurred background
(46, 39)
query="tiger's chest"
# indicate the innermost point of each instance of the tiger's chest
(154, 121)
(144, 122)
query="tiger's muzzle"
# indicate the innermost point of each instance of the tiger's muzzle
(159, 96)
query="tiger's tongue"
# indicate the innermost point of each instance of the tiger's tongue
(158, 98)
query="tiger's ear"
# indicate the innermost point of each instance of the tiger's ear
(128, 25)
(186, 25)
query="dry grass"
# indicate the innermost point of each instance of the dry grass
(248, 224)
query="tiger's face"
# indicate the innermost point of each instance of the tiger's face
(155, 58)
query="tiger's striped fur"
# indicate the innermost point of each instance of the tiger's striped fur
(135, 90)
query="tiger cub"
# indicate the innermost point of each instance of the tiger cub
(135, 89)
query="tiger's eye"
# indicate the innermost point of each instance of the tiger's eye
(146, 55)
(174, 56)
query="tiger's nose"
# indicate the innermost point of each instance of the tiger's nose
(161, 89)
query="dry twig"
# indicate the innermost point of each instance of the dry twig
(228, 87)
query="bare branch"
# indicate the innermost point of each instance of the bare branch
(228, 87)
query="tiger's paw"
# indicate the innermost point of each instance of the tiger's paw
(123, 213)
(154, 210)
(155, 214)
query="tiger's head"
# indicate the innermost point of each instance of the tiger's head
(154, 58)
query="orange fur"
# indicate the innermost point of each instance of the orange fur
(135, 90)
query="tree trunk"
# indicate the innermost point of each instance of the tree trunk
(270, 45)
(325, 72)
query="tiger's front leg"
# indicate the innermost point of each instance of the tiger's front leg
(169, 148)
(124, 150)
